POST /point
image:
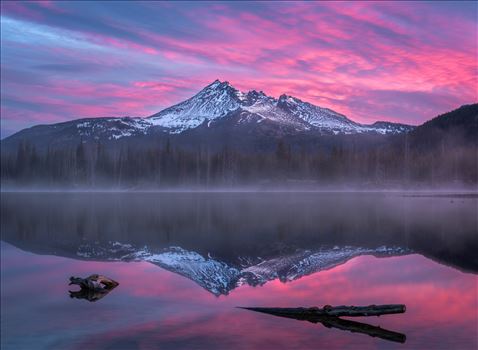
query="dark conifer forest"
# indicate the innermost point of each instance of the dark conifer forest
(441, 152)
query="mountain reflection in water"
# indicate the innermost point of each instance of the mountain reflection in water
(305, 249)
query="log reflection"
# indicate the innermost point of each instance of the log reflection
(316, 315)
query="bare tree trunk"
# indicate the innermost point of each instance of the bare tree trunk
(328, 317)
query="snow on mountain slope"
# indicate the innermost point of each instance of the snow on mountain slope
(301, 263)
(214, 276)
(269, 108)
(220, 278)
(315, 116)
(217, 104)
(112, 128)
(220, 98)
(214, 101)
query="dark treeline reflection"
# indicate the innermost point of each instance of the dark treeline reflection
(232, 224)
(385, 164)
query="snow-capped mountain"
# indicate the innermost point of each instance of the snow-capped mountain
(219, 277)
(217, 115)
(219, 99)
(212, 102)
(218, 103)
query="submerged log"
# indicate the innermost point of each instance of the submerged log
(337, 311)
(364, 328)
(94, 282)
(92, 288)
(329, 317)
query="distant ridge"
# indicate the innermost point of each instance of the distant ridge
(218, 106)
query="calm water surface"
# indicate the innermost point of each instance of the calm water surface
(185, 261)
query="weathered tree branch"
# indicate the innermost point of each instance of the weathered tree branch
(359, 327)
(329, 317)
(338, 311)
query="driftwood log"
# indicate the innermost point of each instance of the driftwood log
(337, 311)
(328, 316)
(94, 282)
(92, 288)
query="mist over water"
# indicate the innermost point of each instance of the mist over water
(205, 221)
(238, 175)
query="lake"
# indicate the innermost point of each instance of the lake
(186, 261)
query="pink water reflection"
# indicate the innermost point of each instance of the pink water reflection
(154, 308)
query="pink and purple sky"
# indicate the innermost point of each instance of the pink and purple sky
(399, 61)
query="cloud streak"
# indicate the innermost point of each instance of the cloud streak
(404, 62)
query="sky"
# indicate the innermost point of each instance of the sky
(397, 61)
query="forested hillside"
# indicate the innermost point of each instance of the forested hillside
(439, 152)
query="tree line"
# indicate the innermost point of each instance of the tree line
(95, 165)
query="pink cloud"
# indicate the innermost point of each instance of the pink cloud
(345, 56)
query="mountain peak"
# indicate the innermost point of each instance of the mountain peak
(255, 93)
(218, 84)
(289, 99)
(220, 277)
(214, 101)
(220, 98)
